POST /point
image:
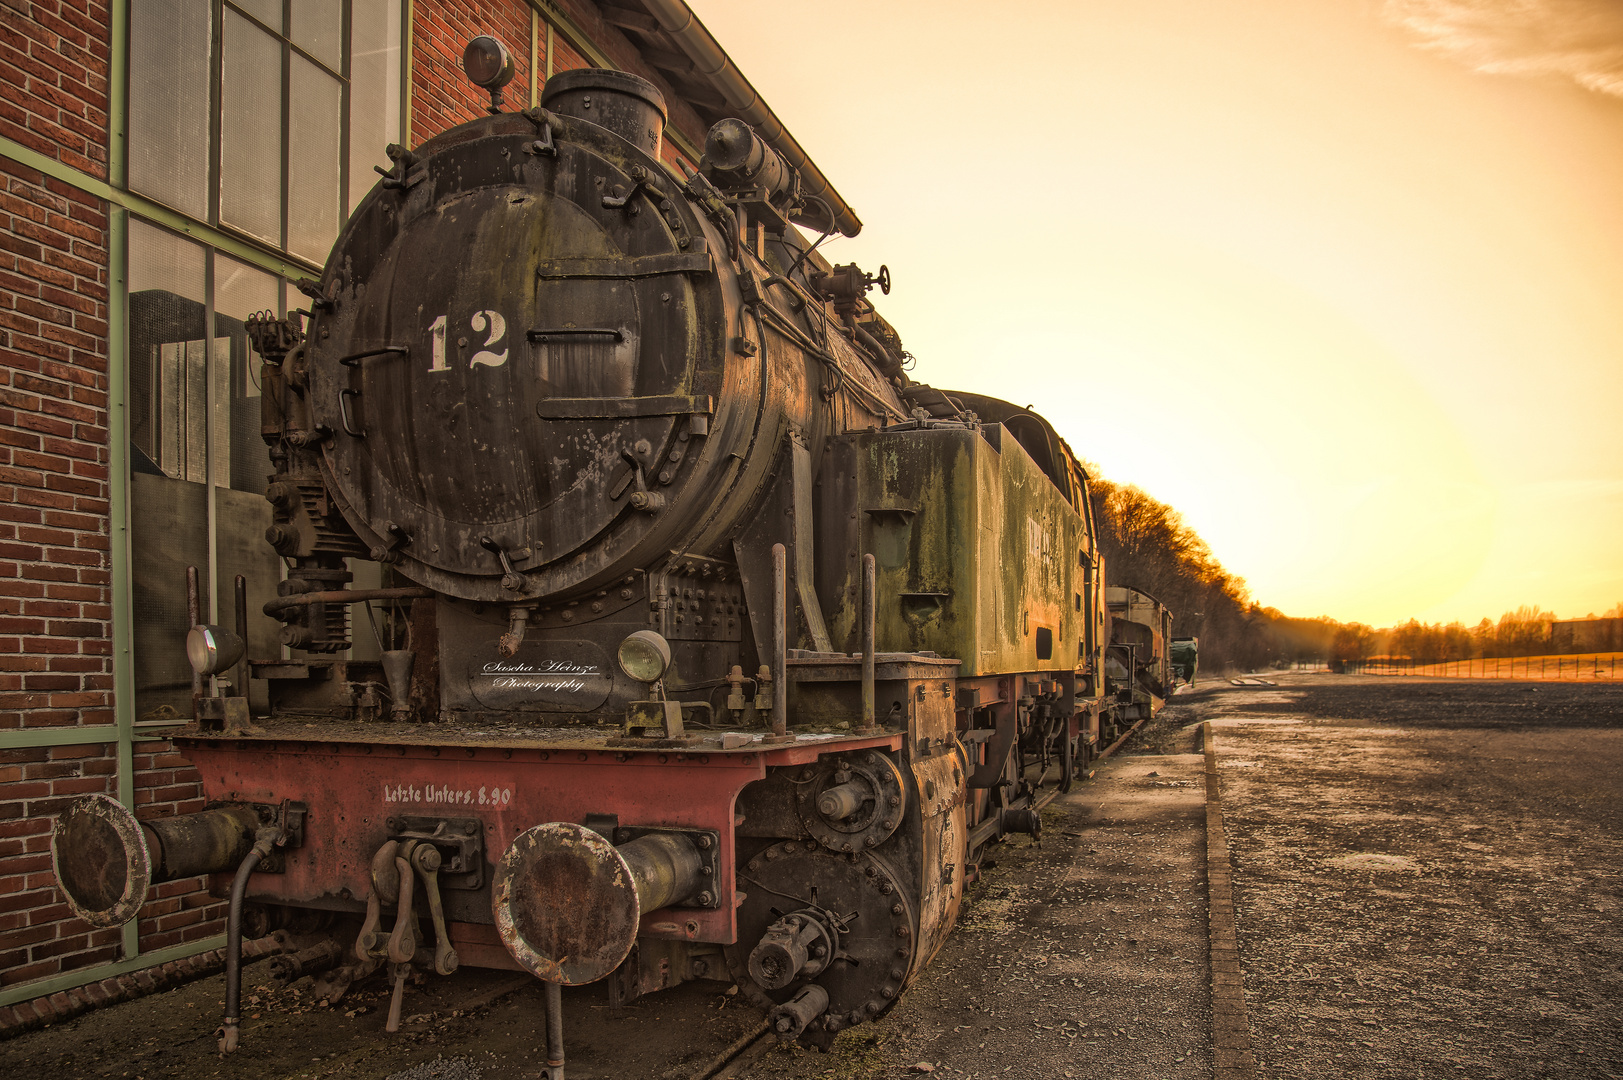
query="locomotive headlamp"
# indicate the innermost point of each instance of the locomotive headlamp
(212, 649)
(488, 63)
(645, 656)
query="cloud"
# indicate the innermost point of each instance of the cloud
(1577, 39)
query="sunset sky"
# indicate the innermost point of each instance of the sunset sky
(1301, 270)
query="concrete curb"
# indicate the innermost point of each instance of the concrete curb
(1231, 1031)
(66, 1004)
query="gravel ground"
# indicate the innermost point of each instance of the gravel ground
(1427, 875)
(1086, 957)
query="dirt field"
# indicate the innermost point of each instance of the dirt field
(1427, 880)
(1427, 875)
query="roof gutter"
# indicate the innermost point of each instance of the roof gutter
(720, 72)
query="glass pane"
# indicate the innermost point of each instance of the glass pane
(239, 291)
(312, 206)
(318, 29)
(168, 514)
(165, 315)
(169, 102)
(374, 91)
(251, 131)
(268, 12)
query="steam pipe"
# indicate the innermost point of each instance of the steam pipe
(240, 678)
(266, 840)
(780, 642)
(870, 582)
(555, 1031)
(194, 616)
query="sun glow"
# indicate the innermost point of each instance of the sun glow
(1298, 270)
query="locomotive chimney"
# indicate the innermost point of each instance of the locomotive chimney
(626, 104)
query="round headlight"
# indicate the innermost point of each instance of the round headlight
(487, 62)
(645, 656)
(212, 649)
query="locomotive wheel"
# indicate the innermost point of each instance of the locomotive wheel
(867, 905)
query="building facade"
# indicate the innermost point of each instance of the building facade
(170, 167)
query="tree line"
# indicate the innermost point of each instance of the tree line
(1148, 546)
(1523, 632)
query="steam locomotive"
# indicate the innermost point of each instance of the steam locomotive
(712, 645)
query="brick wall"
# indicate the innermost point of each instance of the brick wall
(55, 576)
(565, 58)
(53, 79)
(55, 607)
(442, 96)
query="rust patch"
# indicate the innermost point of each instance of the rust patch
(565, 903)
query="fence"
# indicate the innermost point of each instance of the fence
(1583, 667)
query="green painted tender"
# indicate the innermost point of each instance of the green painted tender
(978, 550)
